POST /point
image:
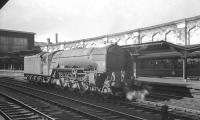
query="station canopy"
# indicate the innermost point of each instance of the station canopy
(161, 50)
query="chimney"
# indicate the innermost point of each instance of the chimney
(48, 41)
(56, 38)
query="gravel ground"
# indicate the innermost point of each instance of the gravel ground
(191, 103)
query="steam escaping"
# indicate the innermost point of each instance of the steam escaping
(137, 95)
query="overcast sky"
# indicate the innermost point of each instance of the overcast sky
(78, 19)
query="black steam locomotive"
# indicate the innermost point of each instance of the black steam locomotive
(106, 70)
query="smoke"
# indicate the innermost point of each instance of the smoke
(137, 95)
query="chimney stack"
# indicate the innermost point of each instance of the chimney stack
(56, 38)
(48, 41)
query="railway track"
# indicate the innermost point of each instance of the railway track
(176, 112)
(44, 107)
(175, 92)
(156, 96)
(13, 109)
(91, 111)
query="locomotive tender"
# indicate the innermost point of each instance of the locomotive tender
(105, 69)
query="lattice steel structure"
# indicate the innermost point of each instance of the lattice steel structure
(180, 32)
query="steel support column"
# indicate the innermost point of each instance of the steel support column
(134, 68)
(184, 59)
(185, 32)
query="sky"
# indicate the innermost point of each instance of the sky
(80, 19)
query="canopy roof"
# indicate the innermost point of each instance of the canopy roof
(18, 55)
(161, 49)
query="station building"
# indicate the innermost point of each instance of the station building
(14, 45)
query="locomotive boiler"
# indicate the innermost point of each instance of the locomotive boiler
(104, 69)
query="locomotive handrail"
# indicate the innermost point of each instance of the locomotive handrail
(68, 68)
(89, 71)
(37, 74)
(81, 73)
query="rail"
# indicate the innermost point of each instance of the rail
(7, 117)
(106, 110)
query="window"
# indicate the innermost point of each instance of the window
(9, 44)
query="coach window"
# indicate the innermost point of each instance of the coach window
(193, 65)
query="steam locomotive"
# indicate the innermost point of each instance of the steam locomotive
(106, 70)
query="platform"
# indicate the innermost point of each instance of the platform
(172, 81)
(17, 74)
